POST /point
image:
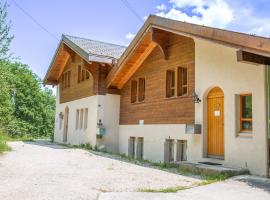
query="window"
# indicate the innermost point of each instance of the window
(133, 91)
(65, 80)
(170, 83)
(139, 149)
(138, 90)
(81, 119)
(85, 118)
(83, 74)
(131, 147)
(79, 73)
(169, 151)
(245, 112)
(77, 118)
(181, 150)
(177, 81)
(182, 83)
(141, 89)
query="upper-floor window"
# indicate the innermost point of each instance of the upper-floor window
(65, 80)
(182, 84)
(83, 74)
(245, 112)
(177, 82)
(138, 90)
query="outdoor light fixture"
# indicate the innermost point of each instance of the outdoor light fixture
(61, 115)
(195, 97)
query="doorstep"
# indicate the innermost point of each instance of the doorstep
(212, 169)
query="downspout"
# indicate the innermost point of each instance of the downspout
(267, 87)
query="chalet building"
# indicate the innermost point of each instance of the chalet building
(178, 92)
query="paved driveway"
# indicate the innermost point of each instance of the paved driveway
(35, 171)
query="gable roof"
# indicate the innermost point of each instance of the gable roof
(89, 50)
(124, 68)
(94, 47)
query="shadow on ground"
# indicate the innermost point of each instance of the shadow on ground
(256, 182)
(45, 143)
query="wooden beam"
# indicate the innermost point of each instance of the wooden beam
(252, 58)
(136, 65)
(65, 58)
(71, 53)
(162, 40)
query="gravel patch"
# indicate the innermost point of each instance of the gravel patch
(39, 170)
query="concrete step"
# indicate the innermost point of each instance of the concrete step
(211, 169)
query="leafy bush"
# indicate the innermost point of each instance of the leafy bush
(3, 142)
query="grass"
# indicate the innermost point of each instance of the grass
(165, 190)
(207, 179)
(3, 142)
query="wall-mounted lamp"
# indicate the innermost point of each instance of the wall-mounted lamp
(61, 115)
(195, 97)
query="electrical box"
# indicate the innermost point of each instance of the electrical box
(193, 128)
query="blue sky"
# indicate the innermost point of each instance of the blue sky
(111, 21)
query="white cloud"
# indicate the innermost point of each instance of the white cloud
(130, 36)
(229, 14)
(161, 7)
(216, 13)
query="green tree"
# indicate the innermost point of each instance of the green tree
(26, 107)
(5, 37)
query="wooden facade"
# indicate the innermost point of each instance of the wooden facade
(156, 108)
(94, 85)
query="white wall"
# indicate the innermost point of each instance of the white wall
(104, 107)
(154, 138)
(78, 136)
(216, 65)
(108, 112)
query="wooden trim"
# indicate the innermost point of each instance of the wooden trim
(241, 113)
(136, 65)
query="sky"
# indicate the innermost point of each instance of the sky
(112, 21)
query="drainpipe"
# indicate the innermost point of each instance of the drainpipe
(267, 87)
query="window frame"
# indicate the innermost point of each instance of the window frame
(180, 81)
(83, 74)
(65, 79)
(137, 94)
(175, 90)
(85, 118)
(241, 119)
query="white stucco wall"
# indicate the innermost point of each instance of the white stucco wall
(154, 137)
(103, 107)
(108, 112)
(216, 65)
(78, 136)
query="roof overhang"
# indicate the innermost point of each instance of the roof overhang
(145, 41)
(66, 50)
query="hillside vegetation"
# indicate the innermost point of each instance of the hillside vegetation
(26, 107)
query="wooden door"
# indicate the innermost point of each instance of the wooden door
(215, 137)
(65, 124)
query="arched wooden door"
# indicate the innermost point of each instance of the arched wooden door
(215, 120)
(65, 124)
